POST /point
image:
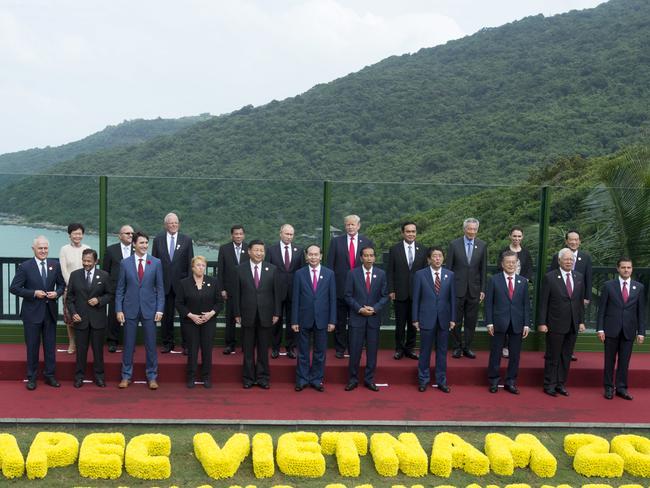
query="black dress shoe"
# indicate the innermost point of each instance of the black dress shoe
(78, 383)
(457, 353)
(166, 349)
(248, 386)
(31, 385)
(190, 384)
(112, 348)
(52, 382)
(494, 388)
(100, 382)
(550, 392)
(320, 387)
(299, 387)
(207, 383)
(623, 394)
(339, 355)
(562, 391)
(609, 393)
(274, 354)
(291, 354)
(573, 357)
(264, 386)
(371, 386)
(511, 389)
(468, 353)
(228, 350)
(411, 355)
(398, 355)
(422, 388)
(444, 388)
(351, 386)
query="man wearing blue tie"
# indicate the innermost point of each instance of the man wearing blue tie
(434, 315)
(39, 282)
(140, 298)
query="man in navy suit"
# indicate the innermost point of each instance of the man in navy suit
(621, 317)
(343, 255)
(366, 293)
(140, 298)
(287, 258)
(507, 314)
(39, 283)
(175, 251)
(313, 313)
(434, 315)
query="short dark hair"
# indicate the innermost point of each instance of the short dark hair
(623, 259)
(139, 234)
(434, 248)
(89, 251)
(408, 222)
(236, 227)
(508, 253)
(76, 226)
(320, 249)
(366, 247)
(256, 242)
(516, 227)
(571, 231)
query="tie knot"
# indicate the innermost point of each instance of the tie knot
(140, 259)
(509, 278)
(256, 267)
(286, 247)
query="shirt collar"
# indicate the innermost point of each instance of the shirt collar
(468, 241)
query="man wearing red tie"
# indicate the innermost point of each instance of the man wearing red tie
(621, 317)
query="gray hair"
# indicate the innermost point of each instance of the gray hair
(354, 218)
(564, 250)
(470, 220)
(40, 238)
(284, 226)
(170, 215)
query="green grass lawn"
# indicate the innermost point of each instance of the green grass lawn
(187, 471)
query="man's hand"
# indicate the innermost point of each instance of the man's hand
(542, 328)
(158, 317)
(639, 339)
(525, 333)
(391, 295)
(52, 295)
(93, 302)
(416, 325)
(586, 302)
(581, 328)
(481, 297)
(295, 327)
(275, 319)
(331, 327)
(601, 335)
(452, 325)
(238, 320)
(490, 329)
(40, 294)
(76, 318)
(224, 295)
(120, 317)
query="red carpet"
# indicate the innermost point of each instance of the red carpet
(400, 402)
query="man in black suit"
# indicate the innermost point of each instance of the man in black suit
(467, 258)
(256, 301)
(561, 317)
(111, 264)
(621, 317)
(404, 259)
(287, 258)
(231, 255)
(39, 282)
(175, 251)
(343, 255)
(89, 292)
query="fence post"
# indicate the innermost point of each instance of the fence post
(544, 222)
(327, 205)
(103, 215)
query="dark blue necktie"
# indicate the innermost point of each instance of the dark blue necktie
(44, 275)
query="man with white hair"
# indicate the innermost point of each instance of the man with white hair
(561, 317)
(39, 282)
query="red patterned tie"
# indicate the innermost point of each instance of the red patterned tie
(140, 270)
(314, 281)
(368, 281)
(511, 288)
(626, 295)
(287, 259)
(569, 288)
(256, 278)
(436, 284)
(351, 253)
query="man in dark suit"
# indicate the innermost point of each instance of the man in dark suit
(231, 255)
(507, 314)
(404, 259)
(313, 313)
(89, 292)
(175, 251)
(39, 282)
(621, 317)
(467, 258)
(343, 255)
(111, 264)
(434, 315)
(287, 258)
(366, 292)
(256, 300)
(561, 317)
(140, 298)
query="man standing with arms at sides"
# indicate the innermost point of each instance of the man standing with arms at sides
(89, 292)
(507, 314)
(140, 298)
(39, 282)
(175, 251)
(366, 292)
(111, 264)
(467, 258)
(621, 317)
(287, 258)
(404, 259)
(231, 255)
(434, 315)
(313, 313)
(343, 255)
(561, 317)
(256, 304)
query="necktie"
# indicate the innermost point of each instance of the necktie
(140, 270)
(511, 288)
(172, 248)
(256, 278)
(237, 253)
(569, 288)
(89, 278)
(314, 281)
(575, 260)
(351, 253)
(470, 249)
(626, 295)
(287, 259)
(44, 274)
(368, 281)
(410, 257)
(436, 284)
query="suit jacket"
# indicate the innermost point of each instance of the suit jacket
(501, 311)
(275, 255)
(338, 258)
(227, 264)
(180, 266)
(313, 309)
(264, 301)
(112, 260)
(189, 299)
(357, 295)
(614, 315)
(471, 278)
(583, 266)
(429, 308)
(79, 293)
(556, 309)
(400, 277)
(133, 297)
(27, 280)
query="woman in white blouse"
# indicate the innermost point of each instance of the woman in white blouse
(70, 259)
